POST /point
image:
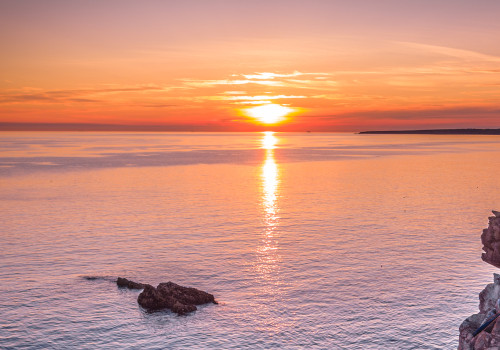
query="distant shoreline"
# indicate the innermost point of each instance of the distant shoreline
(438, 132)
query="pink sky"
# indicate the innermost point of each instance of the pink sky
(330, 65)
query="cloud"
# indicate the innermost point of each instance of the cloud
(261, 78)
(269, 75)
(253, 98)
(84, 100)
(256, 102)
(157, 105)
(29, 95)
(25, 98)
(467, 55)
(209, 83)
(467, 112)
(311, 84)
(234, 92)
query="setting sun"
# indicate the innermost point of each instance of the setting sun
(269, 113)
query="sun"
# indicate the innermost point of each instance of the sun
(269, 113)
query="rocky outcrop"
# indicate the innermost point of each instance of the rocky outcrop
(125, 283)
(179, 299)
(489, 338)
(472, 337)
(172, 296)
(491, 240)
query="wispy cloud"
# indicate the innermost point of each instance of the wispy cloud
(253, 98)
(464, 112)
(6, 98)
(208, 83)
(278, 85)
(260, 78)
(157, 105)
(452, 52)
(235, 92)
(30, 95)
(269, 75)
(256, 102)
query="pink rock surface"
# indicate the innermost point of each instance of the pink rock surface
(491, 241)
(489, 338)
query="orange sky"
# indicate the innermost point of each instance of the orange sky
(200, 65)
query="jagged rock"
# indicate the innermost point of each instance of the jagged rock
(467, 328)
(489, 296)
(151, 299)
(180, 300)
(491, 240)
(489, 336)
(123, 282)
(482, 341)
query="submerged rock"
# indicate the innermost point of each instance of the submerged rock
(99, 278)
(179, 299)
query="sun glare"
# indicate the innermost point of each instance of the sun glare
(269, 140)
(269, 113)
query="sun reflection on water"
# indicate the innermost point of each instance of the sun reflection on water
(269, 186)
(268, 256)
(269, 142)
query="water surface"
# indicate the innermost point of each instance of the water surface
(327, 241)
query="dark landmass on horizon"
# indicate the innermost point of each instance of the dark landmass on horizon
(439, 132)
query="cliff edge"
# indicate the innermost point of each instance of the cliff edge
(481, 331)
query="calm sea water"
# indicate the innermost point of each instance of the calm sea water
(309, 241)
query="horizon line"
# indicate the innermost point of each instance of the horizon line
(82, 127)
(12, 126)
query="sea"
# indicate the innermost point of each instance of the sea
(306, 240)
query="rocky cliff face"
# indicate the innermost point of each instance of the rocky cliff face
(489, 337)
(491, 241)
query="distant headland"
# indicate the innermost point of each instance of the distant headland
(439, 132)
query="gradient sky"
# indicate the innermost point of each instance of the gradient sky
(200, 65)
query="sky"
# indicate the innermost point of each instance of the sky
(281, 65)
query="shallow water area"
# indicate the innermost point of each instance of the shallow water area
(328, 241)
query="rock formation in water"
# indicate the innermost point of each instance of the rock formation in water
(171, 296)
(491, 241)
(178, 299)
(489, 337)
(123, 282)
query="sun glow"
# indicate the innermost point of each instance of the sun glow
(269, 113)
